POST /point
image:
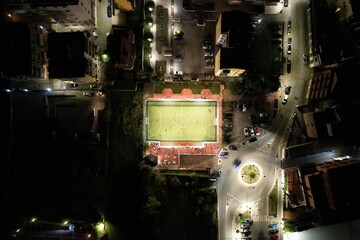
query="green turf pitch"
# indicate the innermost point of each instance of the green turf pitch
(179, 121)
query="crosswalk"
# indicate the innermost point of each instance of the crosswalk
(260, 218)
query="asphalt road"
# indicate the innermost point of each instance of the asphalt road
(234, 196)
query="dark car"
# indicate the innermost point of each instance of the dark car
(109, 11)
(276, 41)
(245, 234)
(73, 85)
(287, 90)
(229, 115)
(237, 163)
(286, 3)
(199, 15)
(288, 68)
(232, 147)
(253, 139)
(224, 154)
(273, 231)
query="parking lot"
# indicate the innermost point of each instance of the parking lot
(182, 38)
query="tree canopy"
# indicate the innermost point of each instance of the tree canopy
(252, 83)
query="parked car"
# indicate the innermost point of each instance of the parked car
(289, 28)
(200, 23)
(257, 131)
(263, 115)
(245, 225)
(305, 59)
(246, 132)
(93, 86)
(286, 3)
(229, 115)
(178, 35)
(206, 41)
(289, 49)
(273, 225)
(287, 90)
(228, 132)
(73, 85)
(94, 34)
(252, 131)
(88, 94)
(232, 147)
(273, 231)
(194, 78)
(179, 73)
(254, 139)
(276, 41)
(208, 54)
(288, 67)
(228, 125)
(263, 124)
(199, 15)
(109, 11)
(289, 40)
(249, 221)
(224, 154)
(209, 59)
(206, 46)
(285, 99)
(209, 77)
(209, 65)
(178, 58)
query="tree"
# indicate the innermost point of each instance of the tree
(252, 83)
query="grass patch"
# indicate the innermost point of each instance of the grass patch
(273, 200)
(289, 227)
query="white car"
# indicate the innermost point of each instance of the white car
(208, 54)
(179, 73)
(94, 34)
(252, 132)
(246, 132)
(285, 99)
(263, 114)
(207, 46)
(289, 49)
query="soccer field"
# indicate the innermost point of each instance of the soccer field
(181, 121)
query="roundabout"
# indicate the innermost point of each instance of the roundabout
(250, 174)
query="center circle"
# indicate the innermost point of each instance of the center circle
(181, 121)
(250, 174)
